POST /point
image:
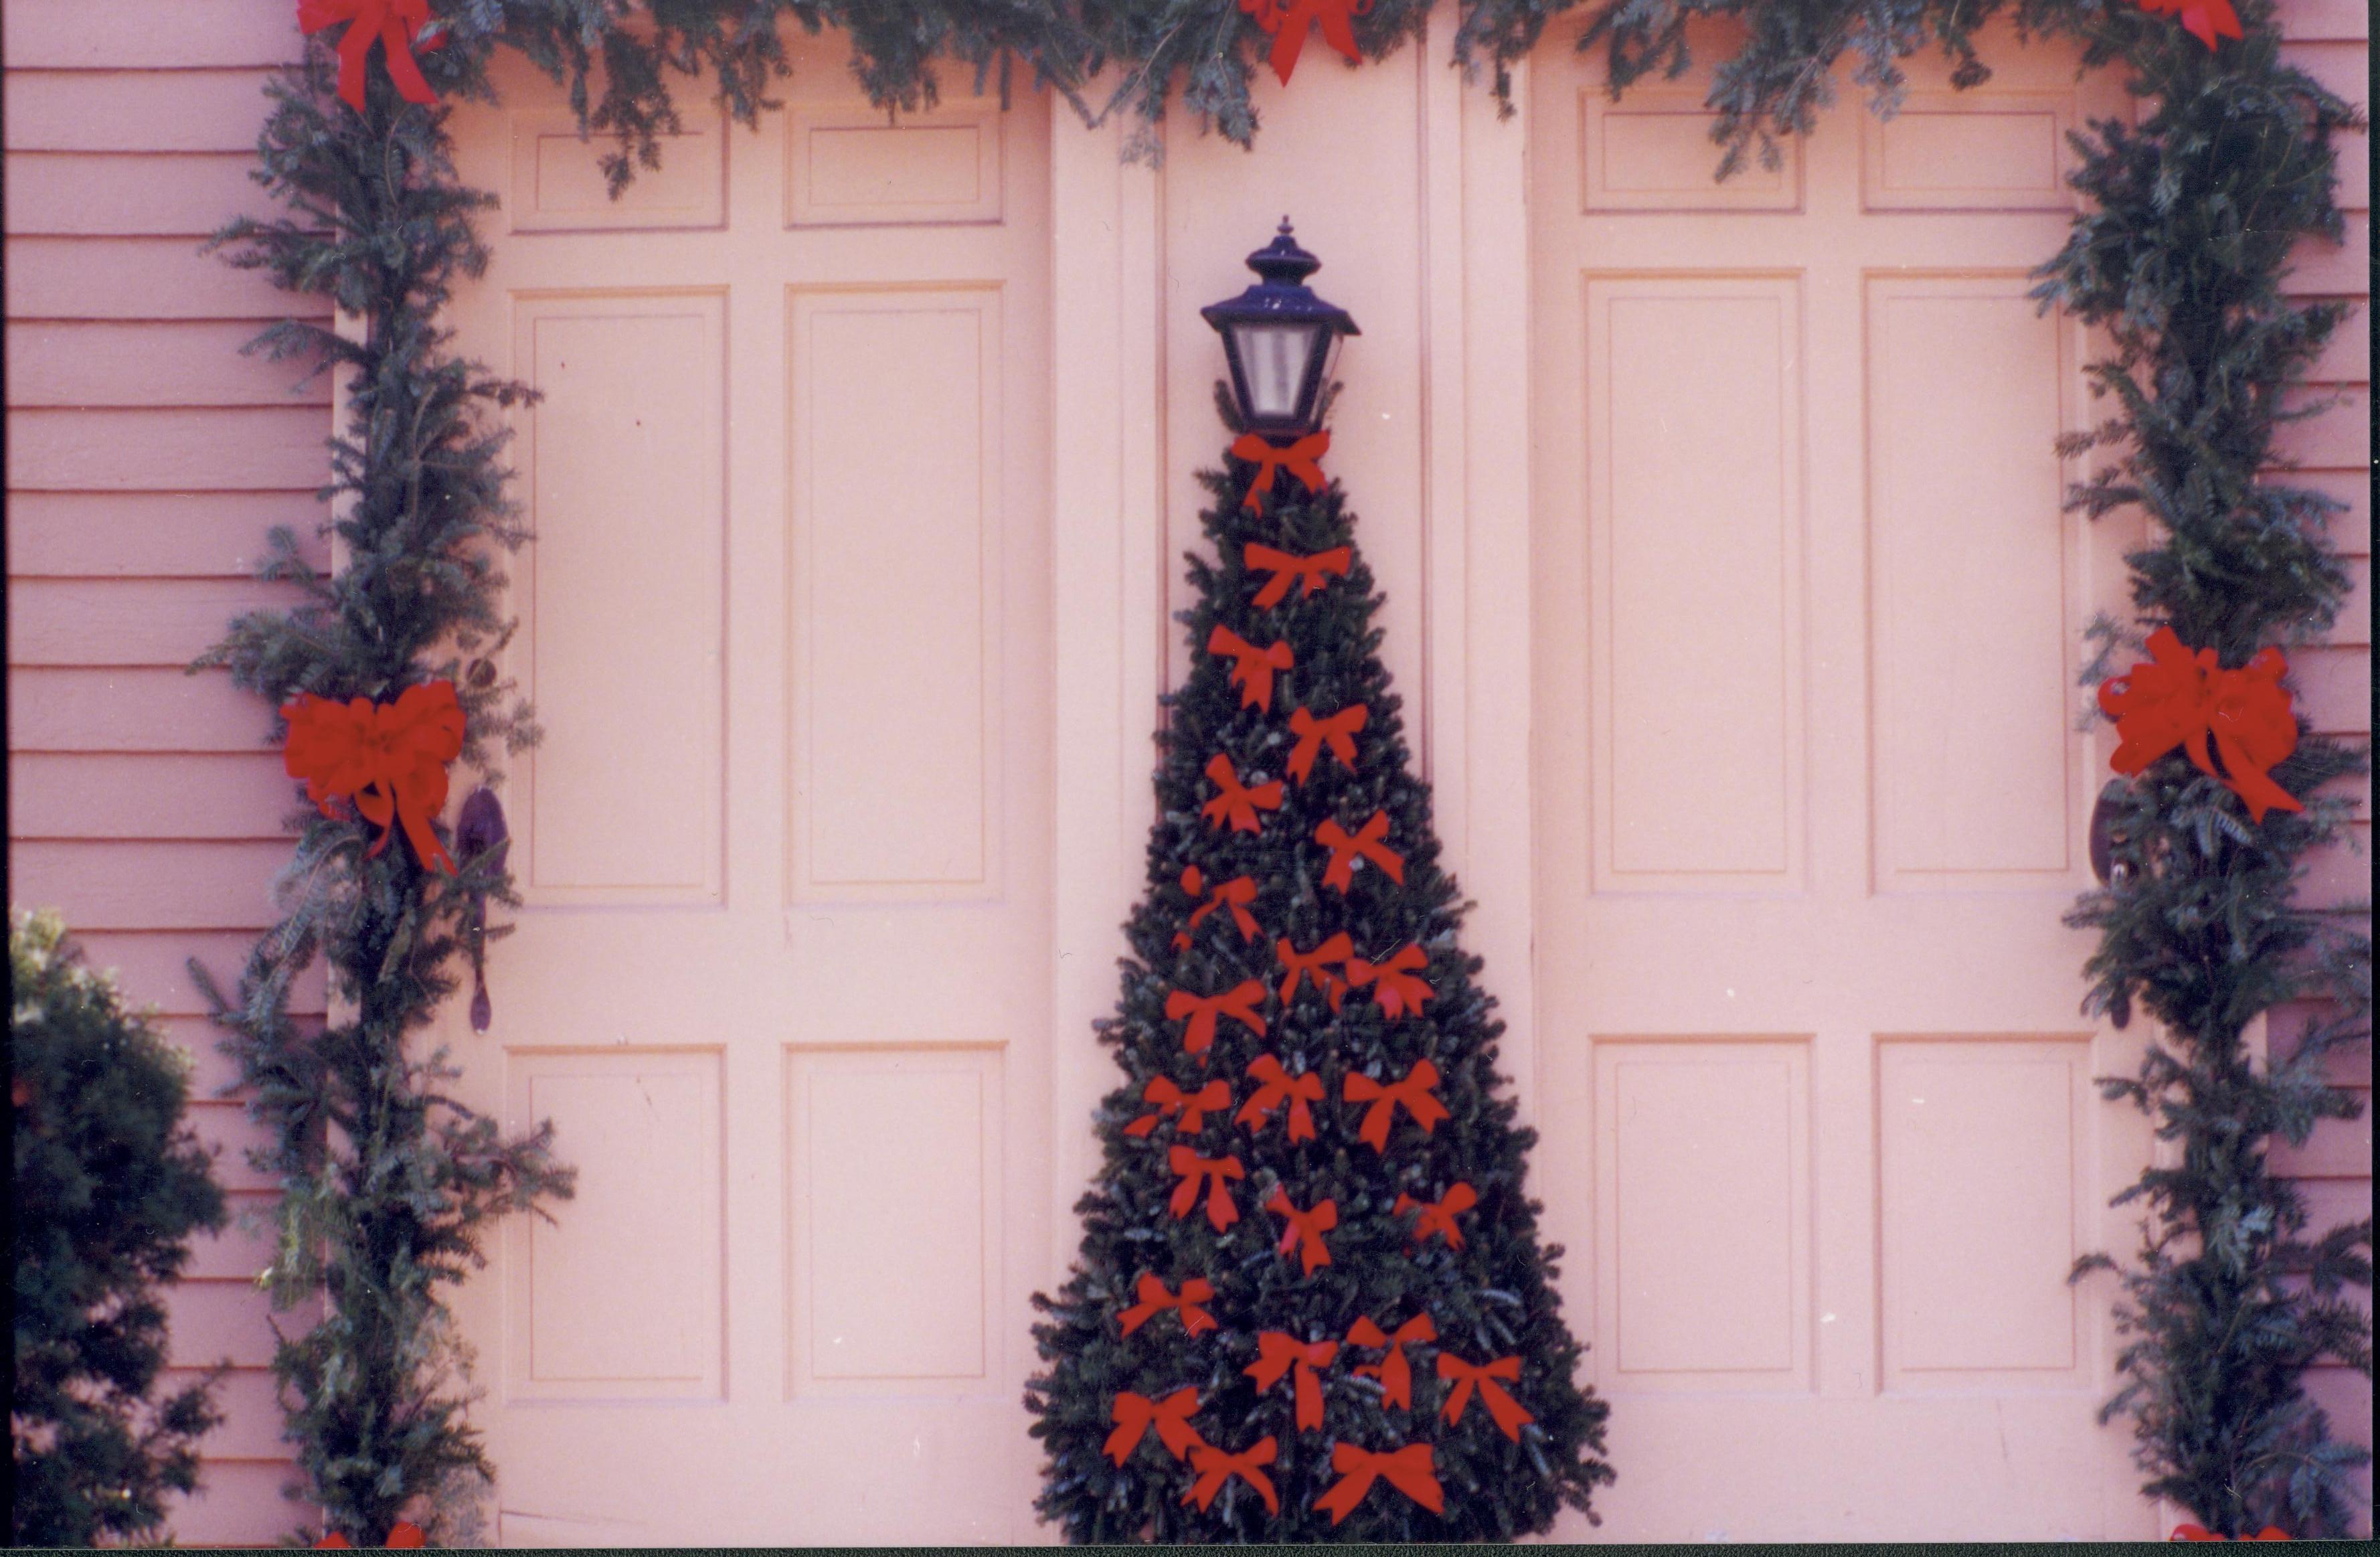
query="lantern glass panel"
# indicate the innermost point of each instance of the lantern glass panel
(1274, 358)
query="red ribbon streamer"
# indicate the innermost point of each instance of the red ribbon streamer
(1393, 1371)
(1252, 668)
(1277, 1087)
(388, 758)
(1155, 1300)
(1311, 965)
(2180, 699)
(1193, 1107)
(1509, 1413)
(1215, 1467)
(1298, 459)
(1211, 1172)
(1366, 843)
(2203, 19)
(1287, 21)
(1238, 1002)
(1411, 1470)
(1440, 1218)
(396, 23)
(1134, 1415)
(1400, 991)
(1305, 1231)
(1277, 1353)
(1338, 732)
(1413, 1092)
(1235, 803)
(1287, 569)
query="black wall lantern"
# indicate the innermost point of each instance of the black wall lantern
(1280, 339)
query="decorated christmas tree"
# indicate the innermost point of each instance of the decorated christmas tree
(1311, 1302)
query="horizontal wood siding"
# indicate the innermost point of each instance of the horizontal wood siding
(147, 458)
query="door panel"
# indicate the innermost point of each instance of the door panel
(1809, 804)
(781, 980)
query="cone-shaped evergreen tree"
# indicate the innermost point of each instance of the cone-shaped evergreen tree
(1308, 1245)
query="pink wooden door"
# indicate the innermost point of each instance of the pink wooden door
(782, 980)
(1811, 801)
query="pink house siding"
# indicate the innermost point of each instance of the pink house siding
(146, 460)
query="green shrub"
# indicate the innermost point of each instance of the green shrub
(110, 1182)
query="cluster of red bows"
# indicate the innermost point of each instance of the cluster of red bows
(2181, 698)
(387, 759)
(398, 26)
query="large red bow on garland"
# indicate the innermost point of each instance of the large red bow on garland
(1252, 667)
(1193, 1107)
(1276, 1087)
(1215, 1467)
(1305, 1231)
(2203, 19)
(403, 1535)
(1287, 21)
(1393, 1371)
(1510, 1414)
(1236, 803)
(1213, 1172)
(1338, 732)
(1440, 1218)
(1365, 843)
(1155, 1300)
(1411, 1470)
(396, 23)
(1277, 1353)
(1287, 569)
(1314, 964)
(2180, 699)
(1400, 990)
(1413, 1092)
(1134, 1415)
(1298, 459)
(389, 758)
(1239, 1003)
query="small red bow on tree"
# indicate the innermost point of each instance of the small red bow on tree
(1287, 21)
(1276, 1087)
(1510, 1414)
(389, 759)
(1400, 990)
(1438, 1219)
(405, 1533)
(397, 24)
(1412, 1470)
(1413, 1092)
(1287, 568)
(1238, 1002)
(1304, 1232)
(1277, 1353)
(1252, 667)
(1155, 1300)
(1313, 965)
(2203, 19)
(1393, 1371)
(1193, 1107)
(1134, 1415)
(2200, 1532)
(1234, 895)
(1298, 459)
(2180, 699)
(1338, 732)
(1235, 803)
(1215, 1467)
(1212, 1172)
(1366, 843)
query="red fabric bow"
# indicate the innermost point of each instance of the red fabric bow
(2200, 1532)
(2203, 19)
(1155, 1300)
(1366, 843)
(1338, 732)
(1252, 667)
(1412, 1091)
(1287, 569)
(1234, 895)
(1305, 1231)
(1277, 1353)
(1193, 1107)
(404, 1534)
(1400, 991)
(389, 758)
(1438, 1218)
(1288, 19)
(1277, 1087)
(2180, 699)
(1236, 803)
(1135, 1414)
(1239, 1003)
(1298, 459)
(1393, 1371)
(1509, 1413)
(394, 22)
(1310, 964)
(1215, 1467)
(1411, 1470)
(1212, 1172)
